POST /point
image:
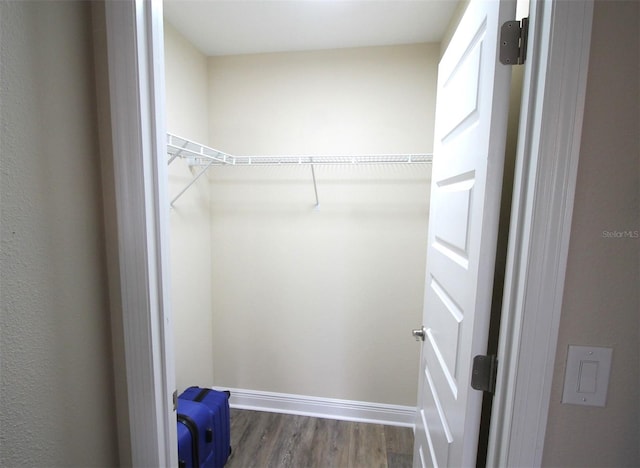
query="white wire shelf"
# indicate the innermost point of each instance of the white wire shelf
(200, 155)
(205, 157)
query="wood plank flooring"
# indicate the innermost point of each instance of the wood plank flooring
(273, 440)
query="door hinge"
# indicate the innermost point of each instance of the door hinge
(484, 372)
(175, 400)
(513, 42)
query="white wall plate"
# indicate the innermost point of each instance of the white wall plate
(586, 377)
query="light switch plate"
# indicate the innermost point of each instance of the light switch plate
(586, 378)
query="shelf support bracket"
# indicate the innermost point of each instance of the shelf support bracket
(193, 181)
(315, 185)
(178, 153)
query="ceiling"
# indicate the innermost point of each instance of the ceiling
(219, 27)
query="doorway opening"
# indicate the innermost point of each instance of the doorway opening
(341, 283)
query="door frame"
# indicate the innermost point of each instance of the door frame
(129, 67)
(547, 157)
(136, 225)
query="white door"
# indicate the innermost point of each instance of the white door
(470, 132)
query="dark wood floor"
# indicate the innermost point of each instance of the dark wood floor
(273, 440)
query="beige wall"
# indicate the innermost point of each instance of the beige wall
(56, 394)
(188, 116)
(187, 107)
(366, 100)
(321, 302)
(601, 305)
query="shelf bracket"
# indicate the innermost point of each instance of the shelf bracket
(315, 186)
(193, 181)
(178, 153)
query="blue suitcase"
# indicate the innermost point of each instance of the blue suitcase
(195, 435)
(218, 406)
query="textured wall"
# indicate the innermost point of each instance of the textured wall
(56, 384)
(188, 116)
(601, 305)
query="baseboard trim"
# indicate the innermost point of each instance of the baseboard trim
(346, 410)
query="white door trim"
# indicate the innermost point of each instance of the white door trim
(136, 224)
(544, 188)
(543, 202)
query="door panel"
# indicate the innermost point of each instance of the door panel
(471, 117)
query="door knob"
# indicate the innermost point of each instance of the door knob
(419, 333)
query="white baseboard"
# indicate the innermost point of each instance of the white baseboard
(346, 410)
